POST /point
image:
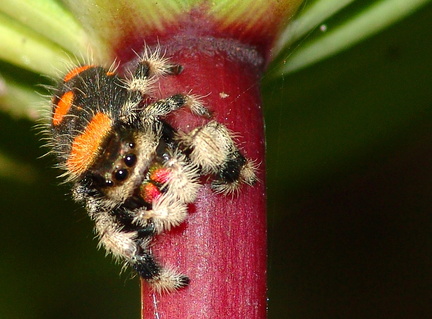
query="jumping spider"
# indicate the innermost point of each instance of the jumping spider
(135, 173)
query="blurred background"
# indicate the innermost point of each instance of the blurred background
(349, 197)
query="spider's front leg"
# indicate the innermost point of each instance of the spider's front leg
(212, 148)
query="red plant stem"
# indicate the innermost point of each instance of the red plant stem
(222, 245)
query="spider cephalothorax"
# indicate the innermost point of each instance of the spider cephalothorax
(134, 172)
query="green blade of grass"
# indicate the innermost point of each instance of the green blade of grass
(49, 19)
(309, 19)
(19, 100)
(27, 49)
(374, 18)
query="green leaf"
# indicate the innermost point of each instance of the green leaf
(20, 100)
(340, 112)
(309, 19)
(372, 18)
(106, 21)
(51, 20)
(27, 49)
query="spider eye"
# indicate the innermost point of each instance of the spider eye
(121, 174)
(130, 160)
(96, 180)
(108, 183)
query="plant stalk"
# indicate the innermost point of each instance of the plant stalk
(222, 245)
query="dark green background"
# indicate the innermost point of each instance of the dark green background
(349, 198)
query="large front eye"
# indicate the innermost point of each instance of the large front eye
(121, 174)
(130, 160)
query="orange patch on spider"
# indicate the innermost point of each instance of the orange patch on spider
(74, 72)
(63, 106)
(86, 146)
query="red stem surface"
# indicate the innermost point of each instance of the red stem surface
(222, 245)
